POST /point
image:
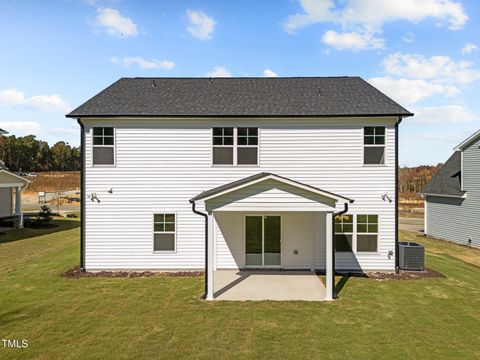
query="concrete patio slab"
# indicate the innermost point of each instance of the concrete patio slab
(268, 285)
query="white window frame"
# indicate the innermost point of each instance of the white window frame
(114, 146)
(384, 145)
(367, 233)
(164, 232)
(356, 233)
(347, 233)
(235, 147)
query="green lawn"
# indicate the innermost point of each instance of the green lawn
(164, 318)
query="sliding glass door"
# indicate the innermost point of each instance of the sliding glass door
(262, 240)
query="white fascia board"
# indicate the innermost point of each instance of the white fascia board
(471, 138)
(282, 180)
(464, 196)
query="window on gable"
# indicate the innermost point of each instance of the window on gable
(235, 146)
(367, 233)
(374, 145)
(164, 232)
(343, 233)
(103, 146)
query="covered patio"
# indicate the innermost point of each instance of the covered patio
(287, 285)
(265, 237)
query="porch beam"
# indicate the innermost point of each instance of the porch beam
(329, 272)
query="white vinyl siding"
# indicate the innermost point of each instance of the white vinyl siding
(162, 163)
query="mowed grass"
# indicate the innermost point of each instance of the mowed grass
(163, 317)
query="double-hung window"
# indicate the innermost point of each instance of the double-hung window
(374, 145)
(223, 146)
(247, 146)
(367, 233)
(164, 232)
(103, 150)
(235, 146)
(344, 233)
(356, 233)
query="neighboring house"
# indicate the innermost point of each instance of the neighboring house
(452, 198)
(268, 163)
(11, 183)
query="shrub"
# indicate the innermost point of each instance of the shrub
(44, 216)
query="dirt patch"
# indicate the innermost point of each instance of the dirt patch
(406, 275)
(76, 273)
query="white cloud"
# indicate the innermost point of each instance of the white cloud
(115, 23)
(143, 63)
(21, 128)
(407, 91)
(269, 73)
(443, 114)
(219, 71)
(352, 40)
(368, 16)
(372, 14)
(469, 48)
(409, 37)
(47, 103)
(440, 69)
(201, 25)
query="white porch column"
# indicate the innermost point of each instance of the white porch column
(329, 275)
(18, 206)
(210, 253)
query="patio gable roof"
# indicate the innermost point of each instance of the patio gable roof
(9, 179)
(263, 188)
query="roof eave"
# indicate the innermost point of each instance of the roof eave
(75, 116)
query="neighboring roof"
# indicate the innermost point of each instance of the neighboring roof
(211, 97)
(3, 132)
(232, 186)
(447, 181)
(468, 141)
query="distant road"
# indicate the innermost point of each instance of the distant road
(411, 224)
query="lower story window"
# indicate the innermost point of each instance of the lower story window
(344, 233)
(367, 233)
(164, 232)
(359, 236)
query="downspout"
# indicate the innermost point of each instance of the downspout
(205, 215)
(335, 214)
(397, 260)
(82, 195)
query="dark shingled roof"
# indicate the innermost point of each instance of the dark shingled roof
(258, 176)
(447, 180)
(3, 131)
(302, 96)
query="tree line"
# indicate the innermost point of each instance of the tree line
(414, 179)
(26, 154)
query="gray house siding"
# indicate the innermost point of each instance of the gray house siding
(457, 219)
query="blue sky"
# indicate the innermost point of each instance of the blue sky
(425, 54)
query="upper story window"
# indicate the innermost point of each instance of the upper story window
(235, 146)
(374, 145)
(103, 146)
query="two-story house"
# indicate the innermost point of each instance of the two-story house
(11, 184)
(239, 173)
(452, 197)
